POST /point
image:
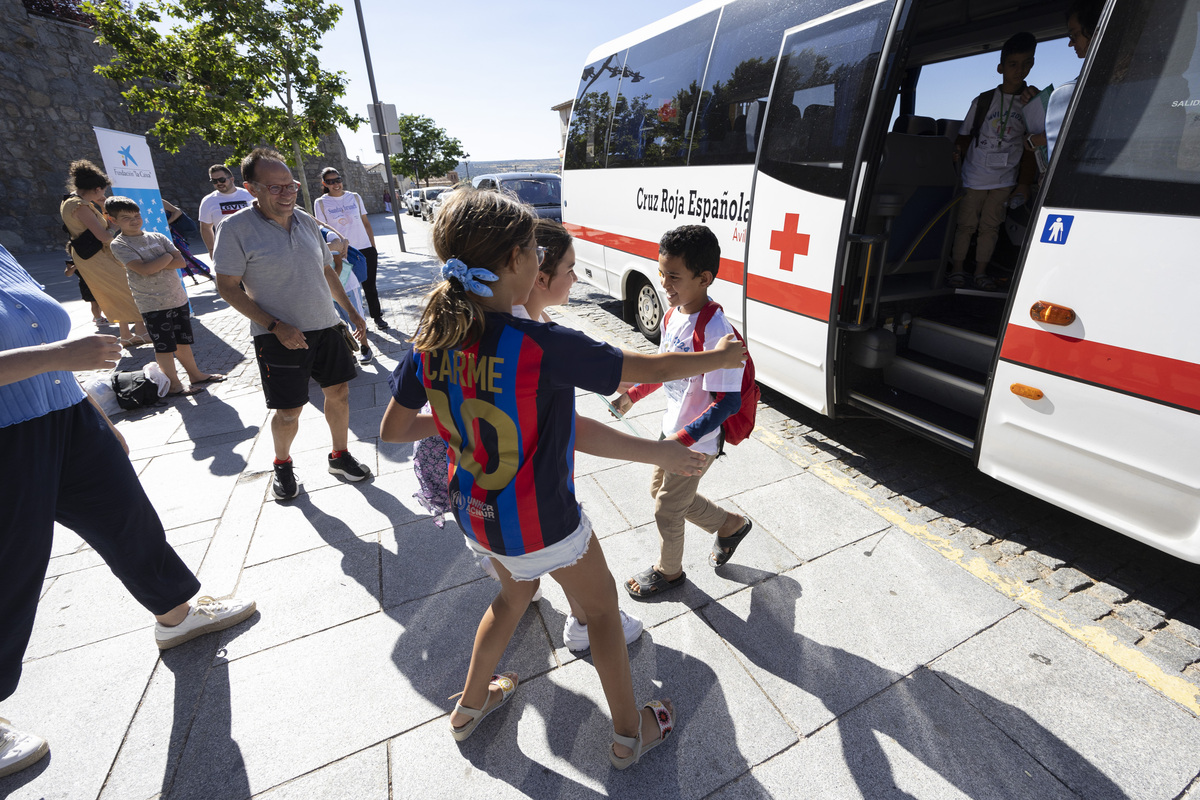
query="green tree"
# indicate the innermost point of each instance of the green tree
(235, 73)
(429, 152)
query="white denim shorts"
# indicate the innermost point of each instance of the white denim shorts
(532, 566)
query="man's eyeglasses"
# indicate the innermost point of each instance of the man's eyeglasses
(280, 188)
(333, 180)
(215, 181)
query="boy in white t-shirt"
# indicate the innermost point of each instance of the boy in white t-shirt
(688, 259)
(992, 160)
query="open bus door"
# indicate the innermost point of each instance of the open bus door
(1094, 402)
(827, 81)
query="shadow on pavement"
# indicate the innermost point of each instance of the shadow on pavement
(196, 678)
(915, 719)
(435, 649)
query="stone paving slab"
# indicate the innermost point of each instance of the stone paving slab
(286, 528)
(149, 755)
(1093, 725)
(91, 605)
(550, 741)
(347, 581)
(823, 638)
(809, 516)
(82, 710)
(917, 739)
(285, 711)
(361, 776)
(631, 552)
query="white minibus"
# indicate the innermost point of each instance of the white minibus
(790, 129)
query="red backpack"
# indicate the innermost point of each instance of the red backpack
(740, 424)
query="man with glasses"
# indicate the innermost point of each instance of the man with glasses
(227, 199)
(277, 253)
(344, 212)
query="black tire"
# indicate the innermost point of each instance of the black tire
(643, 308)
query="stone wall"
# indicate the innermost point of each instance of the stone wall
(49, 101)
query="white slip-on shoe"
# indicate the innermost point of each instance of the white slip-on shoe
(575, 636)
(206, 616)
(18, 749)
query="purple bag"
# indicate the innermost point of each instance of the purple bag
(431, 464)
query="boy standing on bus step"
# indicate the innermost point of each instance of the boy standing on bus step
(688, 259)
(991, 147)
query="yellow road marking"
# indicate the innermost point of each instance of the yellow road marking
(1093, 636)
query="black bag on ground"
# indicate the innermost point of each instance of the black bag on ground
(134, 390)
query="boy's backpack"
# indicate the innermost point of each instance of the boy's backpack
(740, 424)
(134, 390)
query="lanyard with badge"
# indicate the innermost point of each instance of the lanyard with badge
(1000, 159)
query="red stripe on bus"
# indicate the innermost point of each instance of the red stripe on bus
(1167, 380)
(790, 297)
(730, 270)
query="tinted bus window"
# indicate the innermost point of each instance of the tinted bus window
(652, 122)
(820, 99)
(592, 113)
(738, 81)
(1134, 141)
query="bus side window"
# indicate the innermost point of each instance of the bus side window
(827, 72)
(738, 80)
(591, 114)
(659, 88)
(1134, 141)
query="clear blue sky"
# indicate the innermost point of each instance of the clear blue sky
(488, 72)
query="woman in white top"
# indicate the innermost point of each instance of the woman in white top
(345, 213)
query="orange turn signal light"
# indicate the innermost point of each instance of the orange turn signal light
(1051, 314)
(1021, 390)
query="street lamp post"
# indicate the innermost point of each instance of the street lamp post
(387, 161)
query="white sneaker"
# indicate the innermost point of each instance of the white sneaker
(206, 616)
(490, 569)
(575, 636)
(19, 750)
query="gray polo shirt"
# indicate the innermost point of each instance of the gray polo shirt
(283, 270)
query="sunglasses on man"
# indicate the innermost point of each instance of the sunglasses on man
(215, 181)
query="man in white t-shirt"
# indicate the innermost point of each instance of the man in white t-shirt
(229, 198)
(345, 213)
(991, 158)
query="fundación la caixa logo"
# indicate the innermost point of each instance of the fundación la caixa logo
(127, 156)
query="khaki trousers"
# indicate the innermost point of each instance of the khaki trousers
(982, 210)
(676, 499)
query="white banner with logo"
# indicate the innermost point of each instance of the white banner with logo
(130, 168)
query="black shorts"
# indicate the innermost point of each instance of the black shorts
(169, 328)
(285, 372)
(85, 291)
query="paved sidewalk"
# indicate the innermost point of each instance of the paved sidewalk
(836, 656)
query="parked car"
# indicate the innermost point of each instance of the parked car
(435, 205)
(412, 202)
(541, 190)
(425, 198)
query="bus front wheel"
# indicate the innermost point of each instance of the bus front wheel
(645, 309)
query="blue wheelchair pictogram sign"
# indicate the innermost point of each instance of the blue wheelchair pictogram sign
(1058, 227)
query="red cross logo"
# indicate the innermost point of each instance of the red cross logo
(789, 241)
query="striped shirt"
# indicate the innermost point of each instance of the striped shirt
(506, 408)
